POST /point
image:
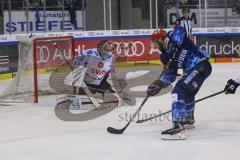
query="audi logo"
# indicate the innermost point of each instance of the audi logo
(128, 48)
(43, 54)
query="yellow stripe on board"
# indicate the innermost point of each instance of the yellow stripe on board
(212, 60)
(6, 76)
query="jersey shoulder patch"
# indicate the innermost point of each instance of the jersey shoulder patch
(91, 52)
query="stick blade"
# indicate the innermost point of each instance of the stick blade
(115, 131)
(140, 121)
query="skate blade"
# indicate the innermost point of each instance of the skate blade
(178, 136)
(189, 126)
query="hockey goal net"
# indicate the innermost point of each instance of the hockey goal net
(41, 69)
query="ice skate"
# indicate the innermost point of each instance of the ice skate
(174, 133)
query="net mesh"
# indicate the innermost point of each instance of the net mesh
(51, 69)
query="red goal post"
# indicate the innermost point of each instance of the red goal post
(46, 58)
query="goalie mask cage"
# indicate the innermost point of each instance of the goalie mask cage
(41, 69)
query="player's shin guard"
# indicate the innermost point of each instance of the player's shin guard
(189, 117)
(178, 111)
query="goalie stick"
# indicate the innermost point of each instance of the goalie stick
(88, 92)
(120, 131)
(164, 113)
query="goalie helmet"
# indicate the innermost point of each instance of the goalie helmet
(105, 45)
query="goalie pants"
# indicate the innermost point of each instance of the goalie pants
(186, 88)
(104, 86)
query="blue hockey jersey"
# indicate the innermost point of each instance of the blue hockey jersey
(183, 53)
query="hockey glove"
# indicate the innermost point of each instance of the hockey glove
(118, 83)
(231, 87)
(78, 60)
(123, 84)
(155, 88)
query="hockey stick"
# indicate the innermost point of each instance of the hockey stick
(120, 131)
(161, 114)
(88, 92)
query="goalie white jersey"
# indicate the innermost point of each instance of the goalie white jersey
(97, 67)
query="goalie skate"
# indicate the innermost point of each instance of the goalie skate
(76, 102)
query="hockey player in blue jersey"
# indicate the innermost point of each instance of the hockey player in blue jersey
(182, 54)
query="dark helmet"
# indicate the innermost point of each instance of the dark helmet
(185, 10)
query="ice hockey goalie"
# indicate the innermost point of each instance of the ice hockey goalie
(92, 69)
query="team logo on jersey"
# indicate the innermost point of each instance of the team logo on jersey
(191, 77)
(100, 64)
(98, 71)
(182, 57)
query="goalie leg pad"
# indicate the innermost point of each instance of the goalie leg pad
(63, 112)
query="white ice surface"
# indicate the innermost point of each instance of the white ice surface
(135, 74)
(139, 88)
(33, 132)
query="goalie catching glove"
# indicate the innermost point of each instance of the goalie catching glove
(231, 86)
(155, 88)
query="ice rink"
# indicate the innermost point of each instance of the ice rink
(33, 132)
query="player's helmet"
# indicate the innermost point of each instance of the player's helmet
(158, 36)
